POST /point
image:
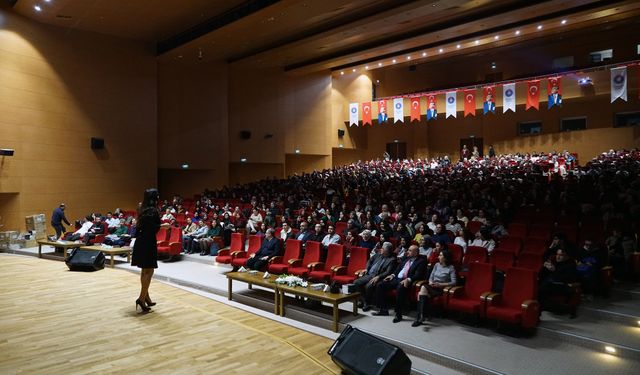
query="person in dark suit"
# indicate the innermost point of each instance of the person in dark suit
(318, 235)
(270, 248)
(554, 97)
(57, 218)
(379, 266)
(411, 269)
(489, 105)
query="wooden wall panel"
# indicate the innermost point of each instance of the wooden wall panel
(299, 163)
(241, 173)
(57, 90)
(186, 182)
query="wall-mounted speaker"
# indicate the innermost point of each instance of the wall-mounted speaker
(245, 134)
(6, 152)
(97, 143)
(340, 133)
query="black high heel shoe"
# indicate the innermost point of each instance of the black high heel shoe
(148, 302)
(142, 306)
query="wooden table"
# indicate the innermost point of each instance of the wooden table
(256, 279)
(65, 245)
(111, 251)
(333, 298)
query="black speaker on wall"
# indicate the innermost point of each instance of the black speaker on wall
(245, 134)
(360, 353)
(97, 143)
(340, 133)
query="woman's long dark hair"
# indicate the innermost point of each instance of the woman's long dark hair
(150, 199)
(448, 256)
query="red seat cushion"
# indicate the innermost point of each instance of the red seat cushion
(464, 305)
(278, 268)
(506, 314)
(320, 275)
(299, 271)
(344, 279)
(223, 259)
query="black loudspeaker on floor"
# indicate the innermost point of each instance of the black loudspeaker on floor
(360, 353)
(85, 260)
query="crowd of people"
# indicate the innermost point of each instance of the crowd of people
(414, 209)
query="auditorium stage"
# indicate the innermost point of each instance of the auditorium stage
(444, 346)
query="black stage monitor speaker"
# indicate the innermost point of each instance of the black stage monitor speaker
(97, 143)
(359, 353)
(85, 260)
(6, 152)
(245, 134)
(340, 133)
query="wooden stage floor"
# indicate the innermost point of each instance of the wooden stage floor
(53, 321)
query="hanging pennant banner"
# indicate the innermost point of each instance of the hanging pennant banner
(353, 114)
(451, 104)
(398, 110)
(509, 97)
(554, 90)
(432, 108)
(533, 95)
(415, 108)
(366, 114)
(469, 102)
(382, 111)
(489, 104)
(619, 83)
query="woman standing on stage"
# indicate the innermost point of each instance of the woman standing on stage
(145, 249)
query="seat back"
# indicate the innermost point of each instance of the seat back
(357, 259)
(292, 250)
(176, 235)
(162, 234)
(458, 253)
(520, 285)
(530, 261)
(340, 227)
(335, 256)
(237, 242)
(535, 245)
(311, 253)
(541, 231)
(513, 244)
(474, 226)
(254, 244)
(479, 280)
(503, 260)
(517, 230)
(476, 254)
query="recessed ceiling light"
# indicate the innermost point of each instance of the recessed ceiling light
(353, 70)
(297, 151)
(379, 64)
(47, 1)
(564, 22)
(496, 37)
(408, 57)
(539, 27)
(366, 67)
(243, 160)
(458, 46)
(340, 145)
(341, 73)
(393, 61)
(184, 166)
(440, 50)
(37, 8)
(424, 54)
(517, 32)
(610, 349)
(477, 42)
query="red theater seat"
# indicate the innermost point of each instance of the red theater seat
(467, 298)
(357, 265)
(237, 244)
(280, 264)
(503, 260)
(239, 258)
(320, 271)
(300, 267)
(173, 246)
(517, 304)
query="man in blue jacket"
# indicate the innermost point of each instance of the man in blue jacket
(57, 218)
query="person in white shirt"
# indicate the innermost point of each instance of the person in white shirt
(112, 222)
(254, 220)
(480, 217)
(460, 217)
(453, 225)
(167, 217)
(460, 240)
(483, 239)
(286, 232)
(331, 237)
(86, 226)
(434, 221)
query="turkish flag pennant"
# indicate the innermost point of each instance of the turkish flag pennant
(415, 109)
(533, 95)
(432, 108)
(366, 114)
(554, 92)
(469, 103)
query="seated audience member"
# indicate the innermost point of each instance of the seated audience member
(304, 233)
(497, 229)
(96, 229)
(367, 241)
(555, 277)
(112, 222)
(262, 230)
(402, 248)
(349, 242)
(440, 235)
(442, 276)
(615, 252)
(190, 243)
(385, 229)
(462, 218)
(351, 227)
(370, 226)
(83, 230)
(331, 237)
(425, 247)
(317, 235)
(411, 269)
(168, 216)
(433, 223)
(269, 220)
(590, 261)
(286, 232)
(120, 236)
(483, 239)
(453, 225)
(189, 228)
(253, 224)
(379, 266)
(420, 232)
(215, 230)
(480, 217)
(270, 247)
(460, 240)
(402, 231)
